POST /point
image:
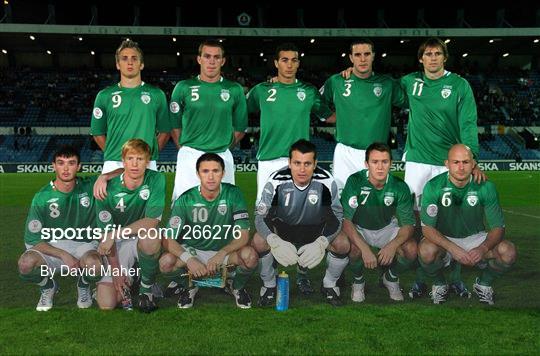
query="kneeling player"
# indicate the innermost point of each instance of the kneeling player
(65, 204)
(462, 220)
(212, 225)
(298, 219)
(132, 209)
(378, 212)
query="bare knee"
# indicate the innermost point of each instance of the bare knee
(167, 263)
(259, 244)
(248, 257)
(427, 251)
(28, 261)
(507, 252)
(149, 246)
(90, 259)
(341, 244)
(410, 249)
(106, 298)
(354, 253)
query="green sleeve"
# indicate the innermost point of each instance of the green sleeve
(240, 213)
(429, 206)
(320, 108)
(156, 201)
(176, 107)
(240, 119)
(98, 124)
(403, 88)
(104, 212)
(349, 199)
(492, 209)
(34, 224)
(327, 92)
(178, 218)
(399, 98)
(467, 118)
(162, 114)
(404, 211)
(253, 100)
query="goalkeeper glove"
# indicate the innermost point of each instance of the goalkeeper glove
(312, 254)
(284, 252)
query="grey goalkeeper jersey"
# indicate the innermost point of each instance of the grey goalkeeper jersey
(299, 215)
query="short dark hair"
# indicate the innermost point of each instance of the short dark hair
(287, 46)
(67, 151)
(129, 44)
(378, 146)
(433, 42)
(210, 157)
(212, 43)
(362, 41)
(303, 146)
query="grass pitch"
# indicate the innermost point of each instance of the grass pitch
(216, 326)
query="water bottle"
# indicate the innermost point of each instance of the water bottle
(282, 299)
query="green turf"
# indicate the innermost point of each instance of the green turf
(215, 325)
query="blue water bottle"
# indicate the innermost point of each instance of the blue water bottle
(282, 299)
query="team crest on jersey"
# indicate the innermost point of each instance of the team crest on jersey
(225, 95)
(144, 193)
(85, 202)
(174, 107)
(446, 91)
(104, 216)
(353, 202)
(388, 199)
(145, 98)
(222, 207)
(432, 210)
(175, 221)
(301, 94)
(98, 114)
(313, 198)
(34, 226)
(472, 199)
(377, 90)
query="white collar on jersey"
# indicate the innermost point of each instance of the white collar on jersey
(302, 188)
(387, 177)
(199, 78)
(121, 87)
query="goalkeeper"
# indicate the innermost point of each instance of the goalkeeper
(297, 219)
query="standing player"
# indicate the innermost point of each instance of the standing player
(209, 115)
(442, 113)
(212, 225)
(462, 220)
(64, 204)
(129, 109)
(363, 104)
(285, 107)
(378, 212)
(132, 209)
(298, 219)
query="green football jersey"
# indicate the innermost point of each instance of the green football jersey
(52, 208)
(209, 225)
(125, 113)
(285, 115)
(363, 107)
(442, 113)
(124, 206)
(208, 113)
(460, 212)
(372, 208)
